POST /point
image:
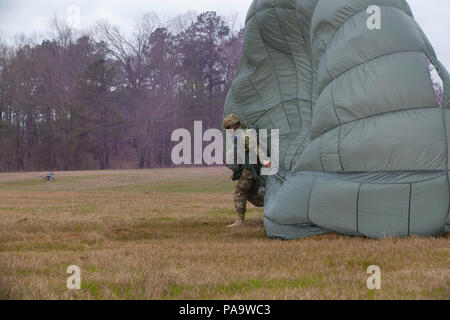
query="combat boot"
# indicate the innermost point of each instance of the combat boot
(239, 222)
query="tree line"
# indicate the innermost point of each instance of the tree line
(104, 99)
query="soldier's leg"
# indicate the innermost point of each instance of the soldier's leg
(240, 196)
(240, 199)
(257, 200)
(242, 191)
(253, 196)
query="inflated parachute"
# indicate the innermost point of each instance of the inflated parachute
(364, 134)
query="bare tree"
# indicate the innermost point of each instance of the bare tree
(62, 32)
(181, 22)
(130, 54)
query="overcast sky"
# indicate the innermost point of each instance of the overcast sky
(32, 16)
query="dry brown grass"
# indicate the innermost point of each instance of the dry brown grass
(160, 234)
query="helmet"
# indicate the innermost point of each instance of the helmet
(231, 120)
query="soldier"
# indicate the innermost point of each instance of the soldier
(49, 176)
(248, 183)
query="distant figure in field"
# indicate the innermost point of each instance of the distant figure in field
(246, 175)
(49, 176)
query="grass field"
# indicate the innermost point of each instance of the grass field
(160, 234)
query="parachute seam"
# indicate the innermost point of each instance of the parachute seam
(367, 61)
(291, 144)
(277, 105)
(311, 30)
(339, 149)
(298, 149)
(285, 154)
(290, 9)
(303, 21)
(354, 15)
(320, 156)
(273, 66)
(293, 157)
(293, 60)
(250, 82)
(341, 26)
(265, 9)
(273, 124)
(334, 105)
(374, 116)
(288, 224)
(235, 104)
(309, 200)
(383, 183)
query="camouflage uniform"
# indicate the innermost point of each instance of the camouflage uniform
(247, 190)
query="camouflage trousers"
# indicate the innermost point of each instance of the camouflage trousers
(247, 190)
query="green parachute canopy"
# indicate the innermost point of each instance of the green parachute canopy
(364, 126)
